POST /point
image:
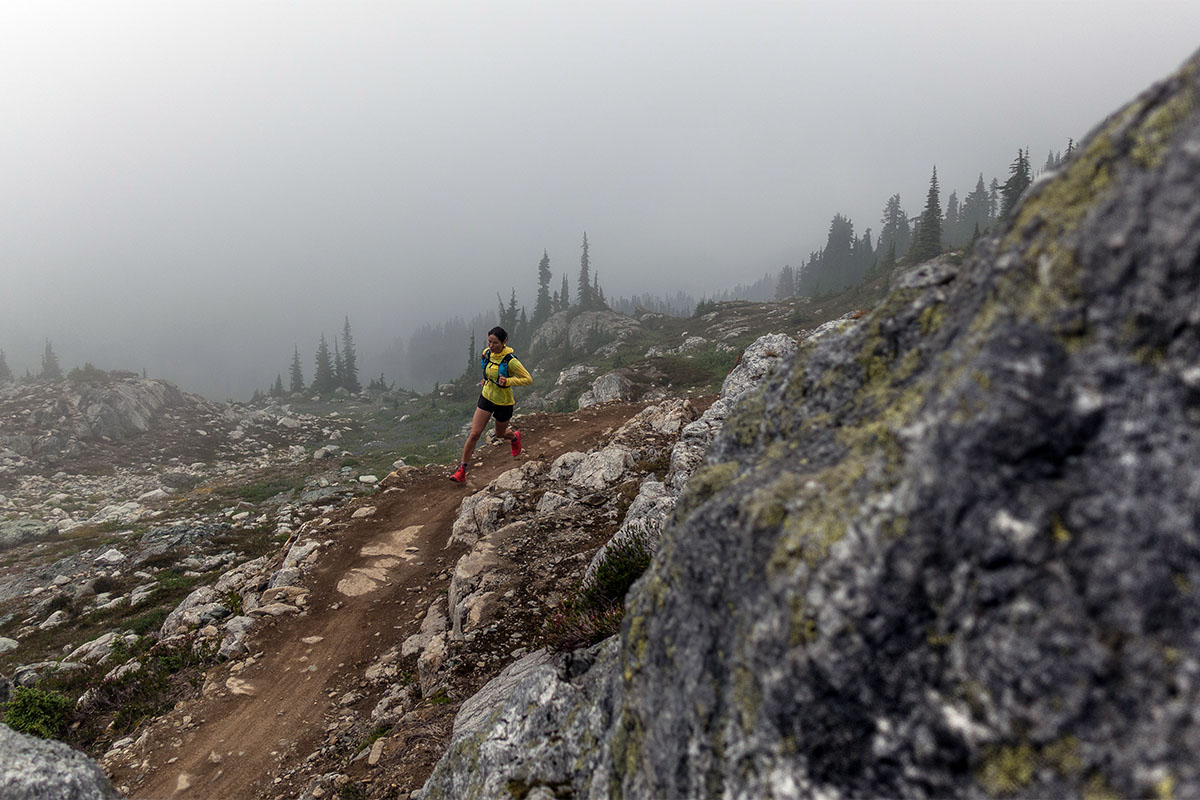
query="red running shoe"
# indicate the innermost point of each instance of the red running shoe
(516, 443)
(460, 474)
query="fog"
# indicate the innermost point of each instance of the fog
(192, 189)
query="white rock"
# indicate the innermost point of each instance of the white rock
(365, 511)
(110, 557)
(53, 621)
(368, 479)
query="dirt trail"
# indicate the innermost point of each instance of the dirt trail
(368, 593)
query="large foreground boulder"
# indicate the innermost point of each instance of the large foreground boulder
(37, 769)
(949, 552)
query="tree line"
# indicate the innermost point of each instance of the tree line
(51, 370)
(848, 259)
(331, 371)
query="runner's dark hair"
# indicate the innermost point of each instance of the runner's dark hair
(499, 333)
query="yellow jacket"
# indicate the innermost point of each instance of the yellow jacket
(517, 376)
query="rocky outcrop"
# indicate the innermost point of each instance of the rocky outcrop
(37, 769)
(588, 330)
(949, 550)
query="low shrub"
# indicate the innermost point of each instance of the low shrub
(595, 613)
(37, 712)
(623, 563)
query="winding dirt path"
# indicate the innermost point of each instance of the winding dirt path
(368, 593)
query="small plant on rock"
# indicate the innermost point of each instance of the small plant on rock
(595, 613)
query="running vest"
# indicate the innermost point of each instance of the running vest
(486, 359)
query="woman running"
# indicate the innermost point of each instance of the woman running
(501, 371)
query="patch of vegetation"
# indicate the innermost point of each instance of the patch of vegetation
(149, 621)
(596, 610)
(37, 712)
(378, 733)
(117, 705)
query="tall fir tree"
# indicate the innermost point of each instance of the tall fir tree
(543, 308)
(929, 231)
(295, 374)
(993, 200)
(785, 287)
(339, 368)
(473, 355)
(555, 303)
(889, 260)
(974, 213)
(564, 296)
(5, 372)
(51, 371)
(523, 332)
(277, 388)
(951, 228)
(510, 314)
(583, 290)
(349, 361)
(323, 378)
(895, 234)
(1019, 178)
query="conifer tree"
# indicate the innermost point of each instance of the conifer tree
(993, 201)
(1018, 181)
(929, 232)
(277, 389)
(510, 314)
(584, 285)
(889, 260)
(472, 356)
(564, 296)
(51, 371)
(975, 206)
(323, 379)
(5, 372)
(542, 308)
(296, 375)
(786, 286)
(950, 223)
(895, 233)
(339, 368)
(555, 303)
(349, 361)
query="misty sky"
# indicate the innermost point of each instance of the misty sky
(194, 187)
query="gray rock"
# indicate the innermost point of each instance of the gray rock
(18, 531)
(38, 769)
(575, 331)
(608, 387)
(7, 644)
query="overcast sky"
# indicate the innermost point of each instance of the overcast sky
(193, 187)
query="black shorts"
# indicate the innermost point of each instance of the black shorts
(501, 413)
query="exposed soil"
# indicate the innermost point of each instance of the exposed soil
(300, 707)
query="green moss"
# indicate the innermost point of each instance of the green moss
(939, 639)
(747, 695)
(1097, 788)
(802, 628)
(932, 318)
(1063, 756)
(705, 483)
(1007, 770)
(1059, 531)
(1151, 137)
(627, 743)
(766, 507)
